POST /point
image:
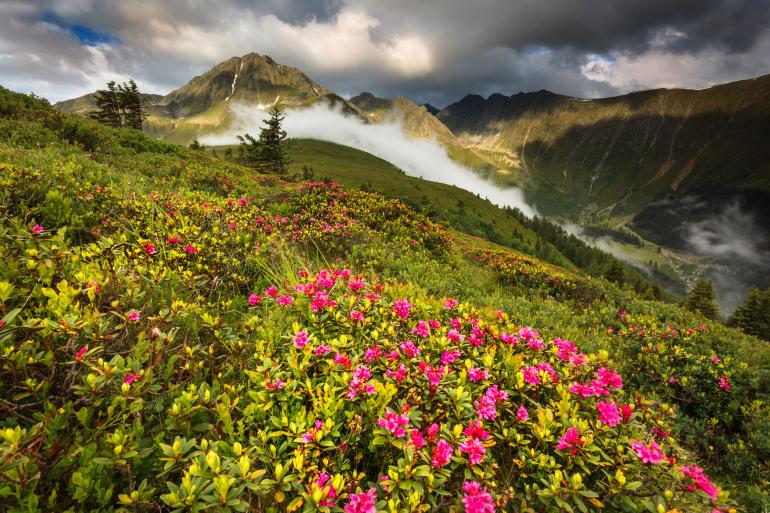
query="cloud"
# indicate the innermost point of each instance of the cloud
(432, 50)
(421, 158)
(729, 234)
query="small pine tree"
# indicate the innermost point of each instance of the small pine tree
(753, 316)
(615, 273)
(108, 106)
(273, 143)
(701, 299)
(196, 145)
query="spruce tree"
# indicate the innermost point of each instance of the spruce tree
(701, 299)
(132, 105)
(753, 316)
(108, 105)
(273, 143)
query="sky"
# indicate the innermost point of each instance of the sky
(434, 51)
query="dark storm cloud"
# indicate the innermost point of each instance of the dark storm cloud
(429, 50)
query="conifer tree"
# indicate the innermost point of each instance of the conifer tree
(108, 105)
(701, 299)
(268, 153)
(753, 316)
(132, 105)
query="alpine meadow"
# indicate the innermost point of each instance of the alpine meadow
(456, 291)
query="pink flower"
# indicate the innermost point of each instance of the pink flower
(274, 385)
(476, 375)
(432, 431)
(450, 304)
(475, 450)
(79, 355)
(626, 411)
(133, 316)
(321, 350)
(343, 359)
(477, 499)
(422, 329)
(362, 502)
(417, 439)
(441, 454)
(399, 374)
(254, 299)
(509, 339)
(715, 359)
(394, 423)
(571, 440)
(648, 454)
(172, 240)
(190, 249)
(410, 349)
(357, 315)
(486, 406)
(448, 357)
(271, 291)
(284, 300)
(402, 307)
(131, 377)
(608, 413)
(701, 480)
(358, 381)
(475, 430)
(300, 339)
(724, 383)
(565, 348)
(149, 248)
(609, 378)
(311, 434)
(454, 336)
(434, 374)
(356, 284)
(522, 414)
(372, 353)
(331, 493)
(37, 229)
(595, 388)
(531, 375)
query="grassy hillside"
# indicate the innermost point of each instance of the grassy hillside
(180, 334)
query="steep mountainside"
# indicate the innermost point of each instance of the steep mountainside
(623, 153)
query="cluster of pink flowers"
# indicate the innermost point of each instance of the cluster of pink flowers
(133, 316)
(700, 480)
(275, 384)
(567, 351)
(357, 316)
(36, 229)
(131, 377)
(608, 413)
(362, 502)
(422, 329)
(410, 349)
(402, 307)
(81, 353)
(399, 374)
(522, 414)
(508, 338)
(301, 339)
(476, 375)
(531, 338)
(359, 381)
(571, 440)
(648, 454)
(475, 450)
(486, 406)
(449, 356)
(532, 373)
(724, 383)
(600, 386)
(331, 494)
(434, 374)
(441, 454)
(450, 304)
(394, 423)
(477, 499)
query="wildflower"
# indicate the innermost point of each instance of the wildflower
(477, 499)
(724, 383)
(648, 454)
(133, 316)
(450, 304)
(448, 357)
(343, 359)
(475, 450)
(372, 353)
(432, 431)
(571, 440)
(522, 414)
(531, 375)
(310, 435)
(190, 249)
(149, 248)
(81, 353)
(321, 350)
(37, 229)
(715, 359)
(362, 502)
(417, 439)
(394, 423)
(254, 299)
(422, 329)
(475, 430)
(441, 454)
(475, 374)
(434, 374)
(609, 378)
(357, 315)
(701, 480)
(274, 385)
(548, 369)
(486, 406)
(565, 349)
(358, 381)
(399, 374)
(356, 284)
(402, 307)
(271, 291)
(509, 339)
(454, 336)
(331, 494)
(531, 337)
(284, 300)
(131, 377)
(608, 413)
(300, 339)
(660, 433)
(626, 411)
(410, 349)
(595, 388)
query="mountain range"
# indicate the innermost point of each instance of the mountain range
(632, 162)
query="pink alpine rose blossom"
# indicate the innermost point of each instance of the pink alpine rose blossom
(362, 502)
(608, 413)
(477, 499)
(648, 454)
(442, 453)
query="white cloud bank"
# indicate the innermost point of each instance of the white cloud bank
(416, 157)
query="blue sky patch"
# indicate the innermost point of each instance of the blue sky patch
(83, 33)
